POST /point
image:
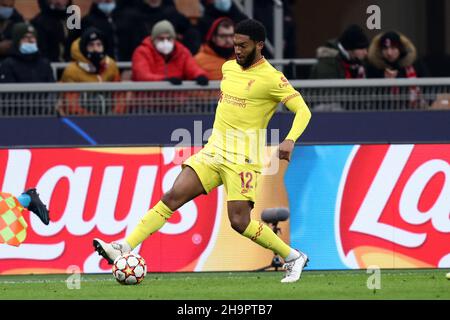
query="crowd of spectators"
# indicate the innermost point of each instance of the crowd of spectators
(352, 56)
(164, 45)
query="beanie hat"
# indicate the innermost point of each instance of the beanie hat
(19, 30)
(90, 34)
(354, 38)
(163, 26)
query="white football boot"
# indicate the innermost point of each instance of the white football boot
(294, 268)
(109, 251)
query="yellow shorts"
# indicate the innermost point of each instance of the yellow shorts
(239, 180)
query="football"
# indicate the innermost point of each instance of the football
(129, 268)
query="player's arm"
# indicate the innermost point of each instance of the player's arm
(297, 105)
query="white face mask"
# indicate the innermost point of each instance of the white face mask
(165, 46)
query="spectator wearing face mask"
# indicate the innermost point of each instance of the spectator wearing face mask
(153, 11)
(25, 63)
(52, 31)
(342, 58)
(215, 9)
(393, 55)
(90, 64)
(217, 49)
(162, 58)
(8, 17)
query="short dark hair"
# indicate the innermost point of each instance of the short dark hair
(252, 28)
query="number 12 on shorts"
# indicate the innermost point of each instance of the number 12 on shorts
(246, 181)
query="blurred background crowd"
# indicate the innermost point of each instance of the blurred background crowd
(167, 40)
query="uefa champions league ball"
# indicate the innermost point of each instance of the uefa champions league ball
(129, 268)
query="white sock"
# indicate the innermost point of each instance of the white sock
(294, 254)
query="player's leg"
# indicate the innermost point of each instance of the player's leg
(241, 187)
(186, 187)
(198, 176)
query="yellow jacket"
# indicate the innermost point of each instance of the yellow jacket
(80, 70)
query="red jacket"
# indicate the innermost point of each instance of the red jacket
(149, 65)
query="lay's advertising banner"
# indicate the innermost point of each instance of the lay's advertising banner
(354, 206)
(351, 206)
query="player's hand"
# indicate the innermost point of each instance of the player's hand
(285, 150)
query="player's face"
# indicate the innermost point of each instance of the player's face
(245, 49)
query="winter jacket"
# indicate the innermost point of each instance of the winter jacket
(52, 32)
(21, 68)
(6, 32)
(407, 66)
(80, 70)
(332, 64)
(33, 68)
(149, 65)
(210, 61)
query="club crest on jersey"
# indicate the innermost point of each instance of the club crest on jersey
(249, 84)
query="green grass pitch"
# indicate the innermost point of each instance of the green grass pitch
(395, 284)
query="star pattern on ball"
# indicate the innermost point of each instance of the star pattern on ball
(128, 271)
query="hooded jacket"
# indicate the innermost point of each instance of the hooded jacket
(149, 65)
(332, 64)
(407, 64)
(81, 70)
(208, 59)
(51, 27)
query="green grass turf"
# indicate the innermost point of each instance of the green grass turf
(395, 284)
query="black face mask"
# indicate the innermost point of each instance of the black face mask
(96, 58)
(221, 51)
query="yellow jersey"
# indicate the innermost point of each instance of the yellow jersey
(248, 100)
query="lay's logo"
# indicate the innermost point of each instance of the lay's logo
(393, 207)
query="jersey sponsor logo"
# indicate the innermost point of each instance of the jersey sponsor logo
(235, 101)
(394, 207)
(101, 192)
